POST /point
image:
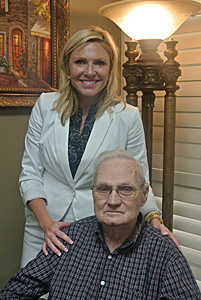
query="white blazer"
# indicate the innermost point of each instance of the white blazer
(45, 167)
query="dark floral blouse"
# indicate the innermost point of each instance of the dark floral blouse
(77, 142)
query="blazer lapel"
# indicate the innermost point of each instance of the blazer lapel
(96, 138)
(61, 140)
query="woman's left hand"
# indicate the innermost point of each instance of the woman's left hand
(164, 231)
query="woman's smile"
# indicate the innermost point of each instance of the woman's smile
(87, 83)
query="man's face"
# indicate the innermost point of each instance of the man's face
(116, 210)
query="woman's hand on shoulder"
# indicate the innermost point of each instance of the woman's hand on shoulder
(51, 229)
(164, 230)
(51, 233)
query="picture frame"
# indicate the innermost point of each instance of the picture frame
(31, 50)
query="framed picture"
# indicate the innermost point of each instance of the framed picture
(32, 36)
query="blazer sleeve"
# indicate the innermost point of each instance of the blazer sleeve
(137, 147)
(30, 180)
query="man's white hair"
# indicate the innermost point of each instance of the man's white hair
(119, 154)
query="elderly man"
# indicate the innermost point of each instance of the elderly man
(115, 254)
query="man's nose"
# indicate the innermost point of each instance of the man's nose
(114, 198)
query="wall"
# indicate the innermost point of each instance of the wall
(13, 125)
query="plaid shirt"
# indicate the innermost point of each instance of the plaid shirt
(148, 267)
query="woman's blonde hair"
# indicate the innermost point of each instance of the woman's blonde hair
(67, 103)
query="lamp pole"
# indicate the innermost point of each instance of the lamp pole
(171, 73)
(149, 73)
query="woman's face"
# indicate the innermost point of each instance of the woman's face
(89, 67)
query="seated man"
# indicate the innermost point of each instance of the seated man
(115, 254)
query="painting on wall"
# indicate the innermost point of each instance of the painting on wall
(32, 34)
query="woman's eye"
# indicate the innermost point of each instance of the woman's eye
(100, 63)
(80, 62)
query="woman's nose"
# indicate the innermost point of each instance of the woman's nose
(90, 70)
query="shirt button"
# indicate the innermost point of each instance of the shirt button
(109, 256)
(102, 282)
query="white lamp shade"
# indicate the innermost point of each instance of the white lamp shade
(150, 19)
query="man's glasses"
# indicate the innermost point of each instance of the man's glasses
(124, 191)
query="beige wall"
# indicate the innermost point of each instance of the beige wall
(85, 13)
(13, 125)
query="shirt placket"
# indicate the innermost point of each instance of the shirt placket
(104, 276)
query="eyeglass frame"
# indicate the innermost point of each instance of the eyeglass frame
(112, 188)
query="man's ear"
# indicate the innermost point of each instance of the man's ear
(145, 194)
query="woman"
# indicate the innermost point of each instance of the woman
(67, 131)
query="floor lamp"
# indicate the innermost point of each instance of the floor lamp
(148, 23)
